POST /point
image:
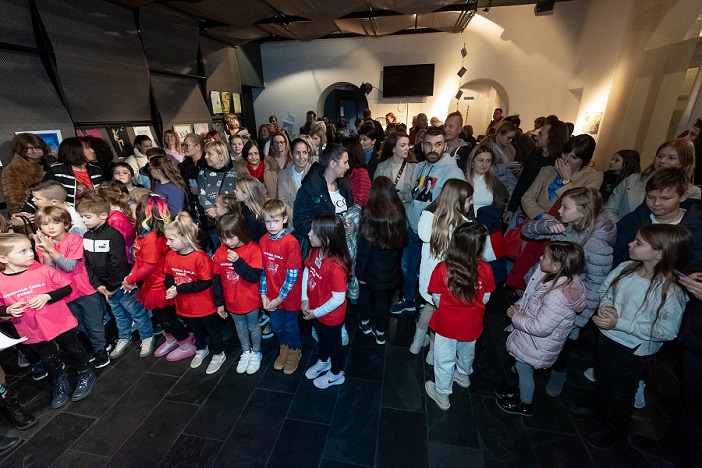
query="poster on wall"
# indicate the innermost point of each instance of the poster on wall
(219, 127)
(592, 121)
(120, 141)
(201, 128)
(236, 100)
(182, 131)
(226, 102)
(93, 132)
(145, 131)
(52, 138)
(216, 102)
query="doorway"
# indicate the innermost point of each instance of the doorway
(344, 101)
(479, 100)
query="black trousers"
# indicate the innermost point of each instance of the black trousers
(169, 321)
(618, 373)
(9, 329)
(203, 326)
(330, 345)
(375, 306)
(68, 341)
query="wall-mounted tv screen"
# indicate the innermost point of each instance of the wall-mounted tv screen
(408, 80)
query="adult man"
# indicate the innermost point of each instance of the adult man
(422, 124)
(231, 126)
(428, 177)
(311, 117)
(456, 147)
(497, 121)
(378, 128)
(523, 144)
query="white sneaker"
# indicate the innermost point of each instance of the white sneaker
(329, 379)
(200, 356)
(430, 357)
(243, 362)
(589, 374)
(461, 379)
(147, 347)
(216, 363)
(318, 368)
(254, 363)
(120, 348)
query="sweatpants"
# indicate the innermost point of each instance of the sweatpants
(450, 355)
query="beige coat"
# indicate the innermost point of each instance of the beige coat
(535, 201)
(287, 190)
(270, 174)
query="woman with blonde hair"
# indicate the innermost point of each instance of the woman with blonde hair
(250, 192)
(171, 144)
(280, 149)
(318, 133)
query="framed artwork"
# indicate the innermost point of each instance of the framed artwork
(201, 128)
(236, 101)
(120, 141)
(226, 101)
(216, 102)
(93, 132)
(52, 138)
(592, 121)
(182, 130)
(145, 131)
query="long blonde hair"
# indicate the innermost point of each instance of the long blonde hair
(179, 148)
(255, 195)
(588, 202)
(448, 214)
(185, 228)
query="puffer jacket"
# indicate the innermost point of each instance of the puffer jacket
(598, 249)
(544, 321)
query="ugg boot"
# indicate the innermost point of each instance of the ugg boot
(555, 383)
(279, 363)
(291, 363)
(420, 340)
(59, 396)
(86, 381)
(169, 345)
(185, 349)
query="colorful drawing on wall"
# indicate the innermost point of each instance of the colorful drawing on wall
(236, 100)
(216, 102)
(145, 131)
(592, 121)
(120, 141)
(226, 101)
(201, 128)
(52, 138)
(93, 132)
(219, 127)
(182, 131)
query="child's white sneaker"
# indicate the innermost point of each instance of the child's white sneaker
(243, 362)
(200, 356)
(329, 379)
(254, 363)
(215, 363)
(318, 368)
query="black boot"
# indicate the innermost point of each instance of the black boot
(507, 393)
(60, 394)
(15, 413)
(8, 443)
(515, 406)
(86, 381)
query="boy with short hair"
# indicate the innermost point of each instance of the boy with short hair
(52, 193)
(666, 202)
(280, 288)
(107, 264)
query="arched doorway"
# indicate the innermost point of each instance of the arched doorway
(484, 95)
(343, 100)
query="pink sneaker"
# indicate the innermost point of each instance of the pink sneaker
(186, 349)
(169, 345)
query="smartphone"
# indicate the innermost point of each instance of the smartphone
(679, 274)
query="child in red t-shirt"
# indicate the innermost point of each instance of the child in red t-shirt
(189, 281)
(64, 251)
(280, 288)
(238, 264)
(460, 287)
(324, 296)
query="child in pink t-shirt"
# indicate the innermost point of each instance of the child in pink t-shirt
(64, 251)
(120, 216)
(33, 295)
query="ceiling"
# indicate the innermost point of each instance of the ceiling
(240, 21)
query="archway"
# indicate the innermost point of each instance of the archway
(343, 100)
(484, 95)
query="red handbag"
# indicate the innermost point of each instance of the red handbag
(513, 239)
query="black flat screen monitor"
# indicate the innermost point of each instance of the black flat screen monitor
(408, 80)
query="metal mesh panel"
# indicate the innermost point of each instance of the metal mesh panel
(17, 23)
(100, 60)
(179, 100)
(169, 38)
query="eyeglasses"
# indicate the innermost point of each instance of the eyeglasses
(33, 148)
(186, 146)
(279, 143)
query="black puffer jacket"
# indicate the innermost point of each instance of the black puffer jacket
(313, 198)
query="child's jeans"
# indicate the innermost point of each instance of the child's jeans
(450, 355)
(526, 381)
(204, 326)
(248, 330)
(126, 308)
(285, 327)
(89, 311)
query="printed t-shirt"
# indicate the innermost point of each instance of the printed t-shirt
(150, 249)
(278, 257)
(185, 269)
(72, 248)
(455, 319)
(240, 296)
(43, 324)
(325, 276)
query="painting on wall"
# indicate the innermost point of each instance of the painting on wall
(93, 132)
(201, 128)
(145, 131)
(219, 127)
(52, 138)
(216, 102)
(236, 100)
(182, 131)
(120, 141)
(592, 121)
(226, 102)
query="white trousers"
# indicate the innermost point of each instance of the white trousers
(450, 355)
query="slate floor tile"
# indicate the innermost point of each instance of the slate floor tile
(299, 445)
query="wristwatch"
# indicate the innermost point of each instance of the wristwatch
(565, 181)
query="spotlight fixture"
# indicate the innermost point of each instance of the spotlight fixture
(366, 88)
(486, 10)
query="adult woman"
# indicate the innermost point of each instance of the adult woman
(357, 174)
(193, 161)
(142, 144)
(74, 169)
(571, 170)
(318, 133)
(397, 164)
(217, 178)
(623, 164)
(290, 178)
(264, 169)
(104, 156)
(280, 149)
(264, 136)
(549, 145)
(236, 147)
(504, 163)
(29, 164)
(419, 144)
(631, 192)
(171, 144)
(539, 122)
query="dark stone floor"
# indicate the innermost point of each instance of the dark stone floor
(152, 413)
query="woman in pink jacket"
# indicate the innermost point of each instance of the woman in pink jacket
(542, 320)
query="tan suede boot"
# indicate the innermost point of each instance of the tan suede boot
(294, 356)
(279, 363)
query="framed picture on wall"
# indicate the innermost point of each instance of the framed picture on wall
(201, 128)
(182, 130)
(145, 131)
(93, 132)
(226, 102)
(52, 138)
(592, 121)
(216, 102)
(236, 102)
(120, 141)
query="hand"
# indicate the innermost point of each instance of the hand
(547, 216)
(171, 292)
(232, 256)
(103, 290)
(304, 307)
(46, 245)
(693, 284)
(557, 227)
(265, 301)
(39, 301)
(221, 312)
(512, 311)
(272, 305)
(309, 315)
(507, 217)
(29, 216)
(127, 287)
(563, 169)
(606, 318)
(16, 309)
(211, 212)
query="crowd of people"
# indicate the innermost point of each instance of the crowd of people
(265, 231)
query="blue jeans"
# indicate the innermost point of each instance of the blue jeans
(126, 309)
(411, 255)
(285, 327)
(89, 310)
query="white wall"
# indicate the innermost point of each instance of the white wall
(531, 57)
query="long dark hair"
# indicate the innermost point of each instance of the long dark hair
(357, 157)
(331, 233)
(462, 256)
(390, 143)
(631, 165)
(384, 221)
(71, 151)
(571, 256)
